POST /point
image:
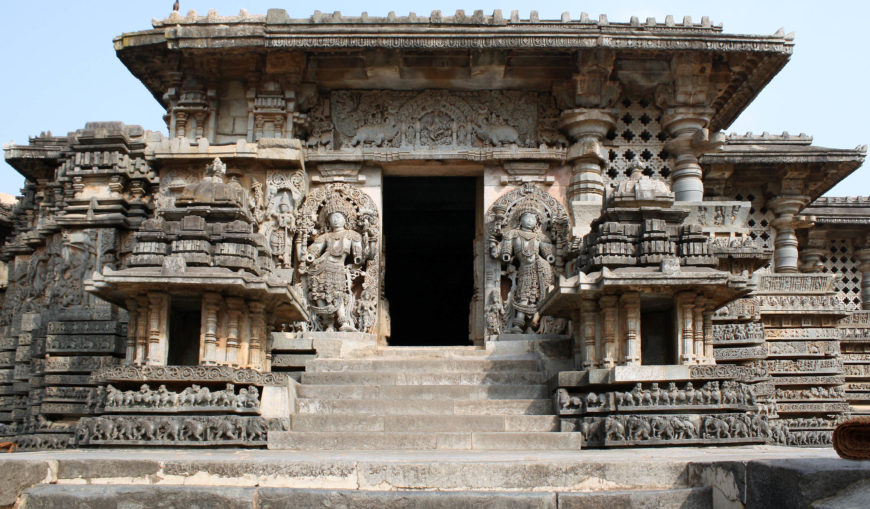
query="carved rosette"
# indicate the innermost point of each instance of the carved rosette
(340, 265)
(524, 261)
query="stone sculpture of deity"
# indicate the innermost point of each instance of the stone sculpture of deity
(527, 232)
(335, 261)
(531, 252)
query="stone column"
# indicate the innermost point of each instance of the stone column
(785, 255)
(864, 267)
(689, 139)
(609, 319)
(698, 325)
(210, 306)
(630, 302)
(685, 321)
(234, 305)
(586, 128)
(258, 328)
(158, 318)
(142, 330)
(132, 331)
(812, 253)
(590, 341)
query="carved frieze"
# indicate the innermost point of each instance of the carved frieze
(78, 364)
(808, 366)
(176, 430)
(738, 333)
(66, 343)
(161, 400)
(727, 371)
(188, 373)
(795, 283)
(803, 348)
(823, 304)
(773, 334)
(431, 118)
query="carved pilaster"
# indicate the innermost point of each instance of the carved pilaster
(785, 256)
(590, 351)
(234, 305)
(698, 326)
(210, 306)
(708, 337)
(630, 303)
(132, 329)
(142, 331)
(258, 329)
(158, 318)
(610, 329)
(685, 327)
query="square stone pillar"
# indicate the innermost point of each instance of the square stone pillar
(609, 330)
(698, 329)
(210, 306)
(142, 331)
(685, 327)
(234, 307)
(258, 330)
(132, 330)
(590, 340)
(631, 350)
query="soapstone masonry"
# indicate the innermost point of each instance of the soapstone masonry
(633, 276)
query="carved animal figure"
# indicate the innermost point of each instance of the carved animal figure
(254, 430)
(497, 134)
(146, 430)
(716, 428)
(613, 429)
(638, 428)
(375, 134)
(192, 429)
(169, 429)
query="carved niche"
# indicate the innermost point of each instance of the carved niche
(338, 253)
(527, 235)
(433, 118)
(274, 207)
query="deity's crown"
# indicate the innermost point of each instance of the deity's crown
(336, 203)
(529, 205)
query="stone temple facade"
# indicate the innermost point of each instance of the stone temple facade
(551, 207)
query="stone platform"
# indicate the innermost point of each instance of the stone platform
(757, 476)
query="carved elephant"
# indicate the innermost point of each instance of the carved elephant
(193, 430)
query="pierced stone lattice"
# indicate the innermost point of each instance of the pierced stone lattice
(759, 217)
(638, 136)
(842, 262)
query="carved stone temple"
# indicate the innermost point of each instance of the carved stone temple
(550, 208)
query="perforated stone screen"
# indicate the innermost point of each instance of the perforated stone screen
(638, 136)
(841, 261)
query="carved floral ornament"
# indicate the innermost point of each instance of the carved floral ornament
(528, 233)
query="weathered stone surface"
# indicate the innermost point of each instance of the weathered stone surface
(269, 498)
(16, 477)
(686, 498)
(109, 497)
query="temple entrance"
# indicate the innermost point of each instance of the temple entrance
(429, 230)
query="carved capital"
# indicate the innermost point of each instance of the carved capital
(689, 140)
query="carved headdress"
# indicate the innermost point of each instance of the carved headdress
(337, 203)
(529, 205)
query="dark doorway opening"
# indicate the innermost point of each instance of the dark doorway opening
(185, 316)
(658, 341)
(429, 229)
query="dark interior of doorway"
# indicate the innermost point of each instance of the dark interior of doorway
(429, 228)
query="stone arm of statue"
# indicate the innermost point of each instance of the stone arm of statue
(313, 251)
(507, 246)
(547, 250)
(356, 248)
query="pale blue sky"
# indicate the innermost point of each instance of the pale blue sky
(60, 70)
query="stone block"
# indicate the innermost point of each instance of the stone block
(685, 498)
(339, 391)
(531, 423)
(311, 422)
(378, 407)
(351, 441)
(73, 468)
(526, 441)
(505, 407)
(60, 496)
(466, 423)
(17, 476)
(274, 498)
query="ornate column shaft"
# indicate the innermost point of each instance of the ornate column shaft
(258, 329)
(698, 325)
(685, 326)
(234, 305)
(609, 319)
(210, 306)
(785, 255)
(141, 331)
(586, 127)
(708, 337)
(630, 302)
(689, 139)
(591, 350)
(132, 330)
(158, 314)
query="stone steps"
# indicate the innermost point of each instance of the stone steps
(429, 423)
(424, 440)
(427, 392)
(424, 378)
(51, 496)
(425, 407)
(413, 365)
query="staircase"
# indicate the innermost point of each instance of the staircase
(455, 398)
